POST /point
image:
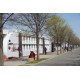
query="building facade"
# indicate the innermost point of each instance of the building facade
(11, 44)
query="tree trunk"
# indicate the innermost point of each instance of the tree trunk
(60, 49)
(57, 50)
(37, 41)
(20, 45)
(57, 45)
(68, 46)
(43, 46)
(37, 45)
(52, 47)
(1, 42)
(37, 33)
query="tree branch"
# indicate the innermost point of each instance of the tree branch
(6, 19)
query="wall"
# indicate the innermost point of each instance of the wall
(28, 44)
(10, 41)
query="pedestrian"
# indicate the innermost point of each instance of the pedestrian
(45, 50)
(20, 52)
(71, 48)
(32, 55)
(67, 49)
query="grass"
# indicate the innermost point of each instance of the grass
(34, 62)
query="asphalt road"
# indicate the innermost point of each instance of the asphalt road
(67, 59)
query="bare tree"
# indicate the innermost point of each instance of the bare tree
(1, 41)
(2, 22)
(33, 21)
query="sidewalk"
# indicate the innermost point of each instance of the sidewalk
(16, 62)
(23, 60)
(49, 55)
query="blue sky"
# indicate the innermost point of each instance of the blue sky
(74, 21)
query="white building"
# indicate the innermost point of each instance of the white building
(11, 44)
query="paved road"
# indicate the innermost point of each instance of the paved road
(67, 59)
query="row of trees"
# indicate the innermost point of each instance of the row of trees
(61, 32)
(34, 23)
(58, 30)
